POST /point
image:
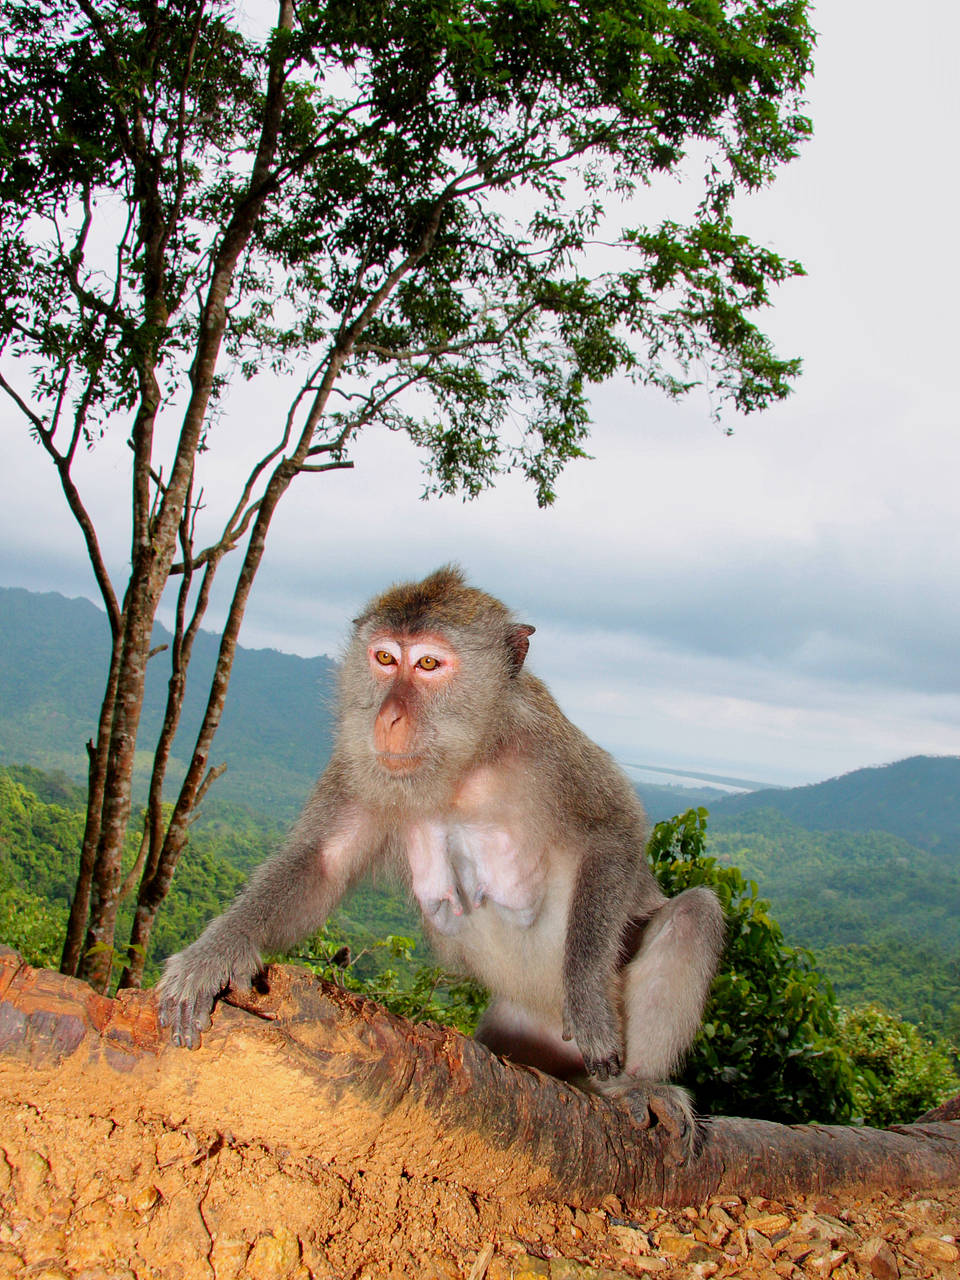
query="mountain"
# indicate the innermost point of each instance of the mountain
(917, 799)
(276, 730)
(865, 870)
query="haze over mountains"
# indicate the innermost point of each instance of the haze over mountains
(277, 725)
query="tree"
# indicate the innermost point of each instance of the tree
(392, 206)
(900, 1073)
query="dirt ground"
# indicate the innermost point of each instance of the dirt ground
(93, 1198)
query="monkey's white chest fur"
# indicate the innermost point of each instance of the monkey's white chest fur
(462, 869)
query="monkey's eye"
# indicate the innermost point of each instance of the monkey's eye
(384, 658)
(428, 662)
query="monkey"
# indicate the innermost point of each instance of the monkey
(521, 840)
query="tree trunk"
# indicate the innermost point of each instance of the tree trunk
(330, 1076)
(96, 781)
(155, 533)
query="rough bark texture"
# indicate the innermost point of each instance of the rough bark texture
(337, 1078)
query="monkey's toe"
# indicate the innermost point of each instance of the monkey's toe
(668, 1107)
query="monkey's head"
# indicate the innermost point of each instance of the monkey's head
(427, 682)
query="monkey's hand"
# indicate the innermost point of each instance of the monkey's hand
(193, 978)
(597, 1032)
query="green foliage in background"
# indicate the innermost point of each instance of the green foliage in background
(419, 992)
(768, 1046)
(899, 1074)
(916, 981)
(837, 887)
(39, 843)
(29, 924)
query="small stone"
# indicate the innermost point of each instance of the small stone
(716, 1213)
(631, 1240)
(653, 1265)
(786, 1269)
(568, 1269)
(612, 1205)
(144, 1198)
(274, 1256)
(877, 1255)
(825, 1264)
(702, 1255)
(677, 1246)
(834, 1230)
(757, 1240)
(527, 1267)
(228, 1255)
(769, 1224)
(935, 1249)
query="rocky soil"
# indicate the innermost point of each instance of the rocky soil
(320, 1138)
(105, 1199)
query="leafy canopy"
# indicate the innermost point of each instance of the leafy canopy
(443, 170)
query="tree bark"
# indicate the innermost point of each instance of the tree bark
(324, 1073)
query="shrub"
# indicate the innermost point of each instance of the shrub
(899, 1074)
(768, 1046)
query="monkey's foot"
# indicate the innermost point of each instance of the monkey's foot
(669, 1106)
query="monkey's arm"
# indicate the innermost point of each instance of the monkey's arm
(286, 898)
(609, 890)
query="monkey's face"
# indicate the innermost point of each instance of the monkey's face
(418, 707)
(411, 675)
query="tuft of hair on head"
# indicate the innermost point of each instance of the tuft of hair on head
(444, 600)
(443, 597)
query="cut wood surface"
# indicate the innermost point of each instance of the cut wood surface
(328, 1076)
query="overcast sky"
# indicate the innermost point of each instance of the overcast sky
(782, 604)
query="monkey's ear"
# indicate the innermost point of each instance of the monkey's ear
(518, 642)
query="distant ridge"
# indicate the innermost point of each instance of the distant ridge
(277, 723)
(917, 798)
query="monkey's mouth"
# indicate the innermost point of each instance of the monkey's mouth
(399, 762)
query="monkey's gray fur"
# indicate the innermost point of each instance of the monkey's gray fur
(520, 838)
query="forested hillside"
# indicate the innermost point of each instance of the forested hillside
(275, 735)
(881, 914)
(39, 843)
(918, 799)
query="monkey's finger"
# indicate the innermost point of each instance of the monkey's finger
(604, 1068)
(187, 1019)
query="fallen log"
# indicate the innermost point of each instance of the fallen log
(317, 1071)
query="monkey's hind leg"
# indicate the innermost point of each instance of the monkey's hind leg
(665, 987)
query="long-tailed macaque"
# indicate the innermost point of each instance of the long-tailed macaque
(521, 840)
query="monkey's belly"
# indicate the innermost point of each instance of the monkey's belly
(461, 869)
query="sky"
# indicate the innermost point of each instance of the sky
(782, 604)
